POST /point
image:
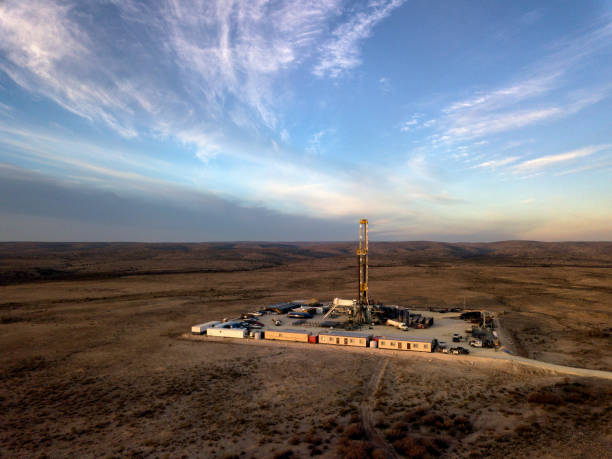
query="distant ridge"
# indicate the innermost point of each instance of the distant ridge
(46, 261)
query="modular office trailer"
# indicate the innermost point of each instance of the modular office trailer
(201, 328)
(227, 332)
(345, 338)
(287, 335)
(400, 343)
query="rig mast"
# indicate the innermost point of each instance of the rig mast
(362, 263)
(362, 309)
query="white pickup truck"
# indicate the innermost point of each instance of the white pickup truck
(397, 324)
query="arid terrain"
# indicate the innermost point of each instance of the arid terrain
(93, 363)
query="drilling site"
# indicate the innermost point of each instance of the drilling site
(364, 322)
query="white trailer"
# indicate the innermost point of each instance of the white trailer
(341, 302)
(397, 324)
(227, 332)
(200, 329)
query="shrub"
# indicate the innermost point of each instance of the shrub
(417, 447)
(396, 432)
(284, 454)
(544, 397)
(354, 449)
(354, 432)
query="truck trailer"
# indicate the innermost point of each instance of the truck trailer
(227, 332)
(200, 329)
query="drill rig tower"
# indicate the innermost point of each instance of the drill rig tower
(362, 262)
(361, 312)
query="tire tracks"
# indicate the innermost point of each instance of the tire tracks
(367, 413)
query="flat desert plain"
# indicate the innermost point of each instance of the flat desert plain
(94, 362)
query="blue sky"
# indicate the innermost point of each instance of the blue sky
(291, 120)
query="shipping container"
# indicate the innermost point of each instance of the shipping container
(227, 332)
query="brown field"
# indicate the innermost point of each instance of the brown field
(93, 364)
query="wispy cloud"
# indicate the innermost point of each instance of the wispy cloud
(46, 51)
(5, 109)
(228, 55)
(385, 84)
(409, 125)
(237, 49)
(416, 122)
(495, 163)
(546, 161)
(315, 143)
(523, 102)
(342, 52)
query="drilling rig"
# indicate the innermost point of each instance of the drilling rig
(360, 311)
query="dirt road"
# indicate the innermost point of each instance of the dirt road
(367, 415)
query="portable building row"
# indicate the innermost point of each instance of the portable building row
(333, 337)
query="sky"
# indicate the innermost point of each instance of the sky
(218, 120)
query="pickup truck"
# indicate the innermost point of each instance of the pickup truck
(459, 350)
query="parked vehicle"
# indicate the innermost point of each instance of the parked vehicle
(397, 324)
(475, 343)
(277, 322)
(299, 315)
(253, 322)
(459, 350)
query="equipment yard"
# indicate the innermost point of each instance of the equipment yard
(446, 327)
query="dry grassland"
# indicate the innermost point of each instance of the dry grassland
(92, 363)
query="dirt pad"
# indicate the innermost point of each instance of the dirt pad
(92, 363)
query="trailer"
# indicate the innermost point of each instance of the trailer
(287, 335)
(228, 332)
(400, 343)
(200, 329)
(345, 338)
